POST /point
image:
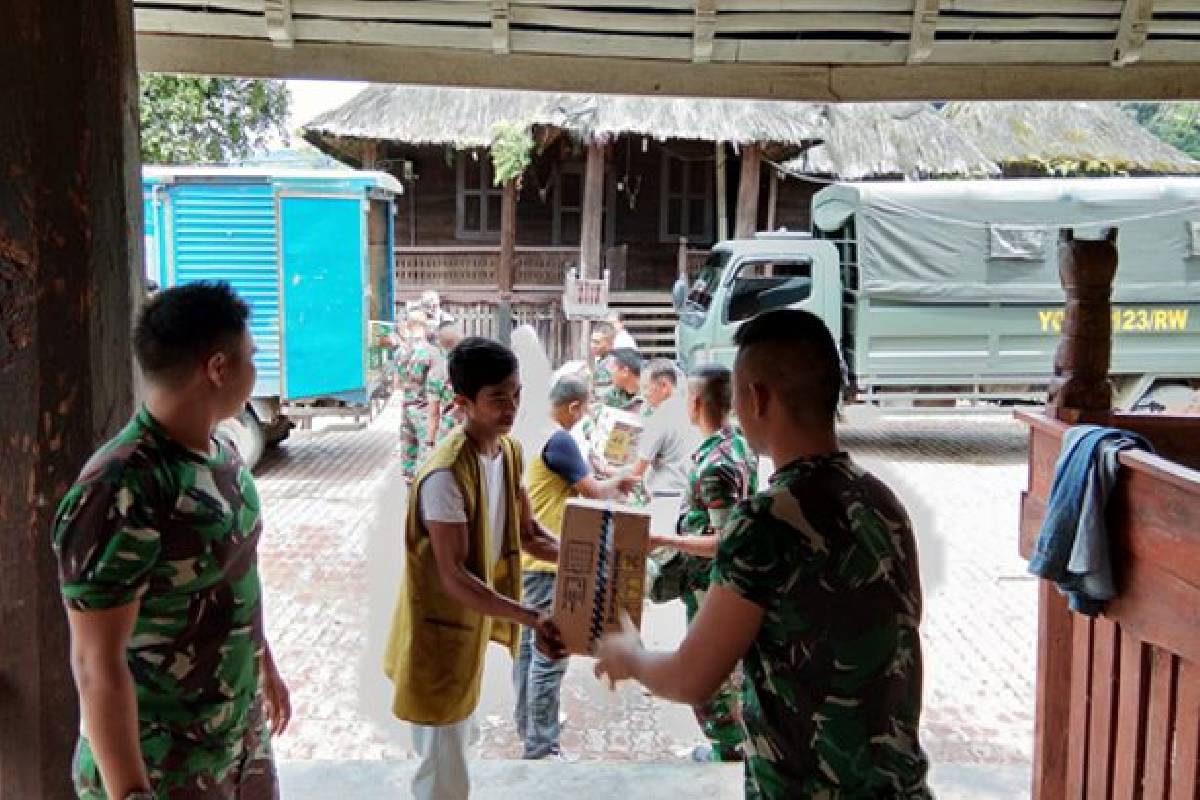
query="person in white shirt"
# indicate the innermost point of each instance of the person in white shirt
(666, 443)
(622, 339)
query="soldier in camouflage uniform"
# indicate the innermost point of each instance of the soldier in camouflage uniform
(157, 550)
(815, 586)
(414, 376)
(601, 347)
(724, 472)
(444, 416)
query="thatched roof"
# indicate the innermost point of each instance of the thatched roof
(466, 117)
(1066, 137)
(906, 140)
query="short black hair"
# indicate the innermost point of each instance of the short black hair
(793, 351)
(178, 328)
(663, 368)
(629, 358)
(713, 384)
(568, 389)
(476, 363)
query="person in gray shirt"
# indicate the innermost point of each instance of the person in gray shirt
(666, 443)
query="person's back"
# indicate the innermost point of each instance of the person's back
(834, 675)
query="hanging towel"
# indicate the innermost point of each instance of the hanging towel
(1072, 548)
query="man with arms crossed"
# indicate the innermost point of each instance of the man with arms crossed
(157, 548)
(815, 587)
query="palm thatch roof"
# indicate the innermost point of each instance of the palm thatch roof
(906, 140)
(1065, 138)
(464, 117)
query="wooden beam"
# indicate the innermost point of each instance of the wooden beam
(772, 198)
(924, 30)
(705, 27)
(591, 223)
(231, 55)
(506, 271)
(721, 169)
(1136, 16)
(748, 185)
(70, 267)
(500, 18)
(278, 14)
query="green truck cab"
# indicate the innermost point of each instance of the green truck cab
(945, 291)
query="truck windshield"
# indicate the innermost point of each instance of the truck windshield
(701, 294)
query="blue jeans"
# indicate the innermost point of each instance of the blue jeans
(537, 678)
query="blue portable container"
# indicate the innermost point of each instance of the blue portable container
(311, 251)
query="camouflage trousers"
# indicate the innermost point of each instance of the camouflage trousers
(721, 717)
(414, 425)
(182, 769)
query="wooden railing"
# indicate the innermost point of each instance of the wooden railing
(419, 268)
(1118, 696)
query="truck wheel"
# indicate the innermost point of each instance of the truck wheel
(247, 435)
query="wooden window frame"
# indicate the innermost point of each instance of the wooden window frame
(485, 193)
(686, 195)
(560, 208)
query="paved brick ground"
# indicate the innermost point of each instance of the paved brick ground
(329, 561)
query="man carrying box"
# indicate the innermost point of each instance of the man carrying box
(815, 586)
(468, 520)
(556, 474)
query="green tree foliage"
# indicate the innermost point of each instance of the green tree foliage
(188, 120)
(512, 149)
(1177, 124)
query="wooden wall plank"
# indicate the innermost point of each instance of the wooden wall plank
(1131, 718)
(1185, 763)
(1053, 694)
(1160, 723)
(1078, 749)
(1106, 676)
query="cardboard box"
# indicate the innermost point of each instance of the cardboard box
(601, 571)
(615, 440)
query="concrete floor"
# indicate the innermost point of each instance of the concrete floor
(508, 780)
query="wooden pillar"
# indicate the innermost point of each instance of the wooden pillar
(722, 194)
(70, 269)
(507, 269)
(772, 199)
(748, 183)
(1080, 385)
(370, 153)
(591, 225)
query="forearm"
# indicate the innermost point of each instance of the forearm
(704, 546)
(470, 591)
(539, 542)
(667, 676)
(435, 420)
(109, 708)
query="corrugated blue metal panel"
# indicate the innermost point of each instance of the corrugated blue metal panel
(226, 231)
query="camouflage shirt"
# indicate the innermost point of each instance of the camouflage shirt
(439, 390)
(724, 472)
(150, 520)
(833, 695)
(601, 377)
(414, 375)
(616, 397)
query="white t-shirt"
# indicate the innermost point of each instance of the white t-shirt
(442, 501)
(624, 340)
(667, 442)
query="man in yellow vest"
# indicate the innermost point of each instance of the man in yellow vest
(469, 518)
(556, 474)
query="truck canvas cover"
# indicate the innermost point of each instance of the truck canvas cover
(997, 240)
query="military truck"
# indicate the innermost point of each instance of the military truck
(945, 291)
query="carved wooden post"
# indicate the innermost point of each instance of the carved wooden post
(748, 184)
(70, 269)
(507, 270)
(1080, 385)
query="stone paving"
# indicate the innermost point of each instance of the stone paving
(330, 564)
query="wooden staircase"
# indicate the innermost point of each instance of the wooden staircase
(649, 317)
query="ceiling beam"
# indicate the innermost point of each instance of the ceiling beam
(215, 55)
(924, 30)
(704, 31)
(500, 20)
(1131, 35)
(278, 14)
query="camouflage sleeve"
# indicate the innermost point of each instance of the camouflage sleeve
(758, 554)
(106, 539)
(718, 485)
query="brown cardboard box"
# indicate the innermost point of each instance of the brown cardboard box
(601, 570)
(615, 441)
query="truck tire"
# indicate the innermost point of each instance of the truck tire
(247, 435)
